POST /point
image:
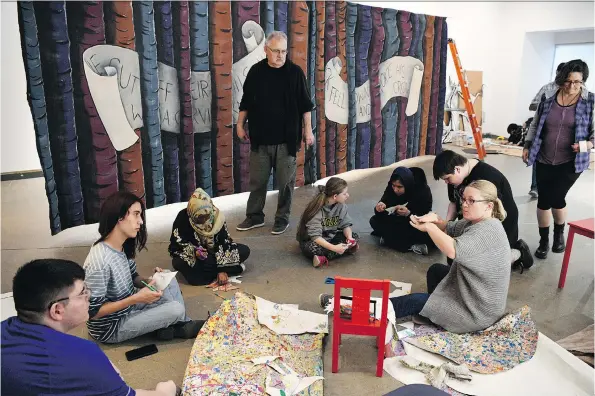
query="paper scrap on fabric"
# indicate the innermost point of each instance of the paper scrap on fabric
(291, 383)
(288, 319)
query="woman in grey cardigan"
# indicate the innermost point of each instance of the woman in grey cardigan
(471, 294)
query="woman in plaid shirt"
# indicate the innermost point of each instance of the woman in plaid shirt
(558, 142)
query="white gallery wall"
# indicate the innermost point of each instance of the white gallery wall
(491, 37)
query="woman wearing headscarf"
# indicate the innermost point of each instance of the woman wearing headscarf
(200, 245)
(406, 194)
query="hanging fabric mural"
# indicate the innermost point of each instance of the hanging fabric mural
(143, 96)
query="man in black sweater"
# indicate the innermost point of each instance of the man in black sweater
(458, 171)
(277, 103)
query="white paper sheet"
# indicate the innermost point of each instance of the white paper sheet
(292, 382)
(399, 76)
(163, 279)
(552, 371)
(288, 319)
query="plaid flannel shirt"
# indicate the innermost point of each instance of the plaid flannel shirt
(583, 127)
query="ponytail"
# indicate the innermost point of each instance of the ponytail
(334, 186)
(313, 207)
(498, 212)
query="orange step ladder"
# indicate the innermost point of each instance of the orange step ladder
(476, 129)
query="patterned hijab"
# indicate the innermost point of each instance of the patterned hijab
(200, 205)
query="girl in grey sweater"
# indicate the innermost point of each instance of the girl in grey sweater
(471, 294)
(324, 232)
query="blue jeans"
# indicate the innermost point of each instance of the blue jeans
(413, 303)
(534, 178)
(146, 318)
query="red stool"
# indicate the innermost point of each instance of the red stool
(359, 322)
(581, 227)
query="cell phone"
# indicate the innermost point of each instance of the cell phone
(141, 352)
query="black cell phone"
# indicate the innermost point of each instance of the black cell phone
(141, 352)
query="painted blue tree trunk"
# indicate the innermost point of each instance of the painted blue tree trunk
(165, 54)
(151, 132)
(310, 166)
(36, 96)
(330, 51)
(442, 94)
(419, 54)
(267, 16)
(363, 37)
(389, 111)
(199, 36)
(56, 70)
(351, 85)
(281, 8)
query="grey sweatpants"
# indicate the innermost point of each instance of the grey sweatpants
(284, 168)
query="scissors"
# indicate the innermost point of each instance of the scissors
(329, 281)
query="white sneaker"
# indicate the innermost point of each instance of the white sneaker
(533, 194)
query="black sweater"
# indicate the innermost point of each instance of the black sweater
(276, 100)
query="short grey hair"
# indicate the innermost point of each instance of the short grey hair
(275, 35)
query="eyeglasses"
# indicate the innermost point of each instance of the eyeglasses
(278, 51)
(84, 293)
(577, 83)
(471, 201)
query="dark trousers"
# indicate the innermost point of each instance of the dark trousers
(311, 248)
(553, 183)
(413, 303)
(398, 233)
(205, 271)
(284, 167)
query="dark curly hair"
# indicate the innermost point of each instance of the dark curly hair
(574, 66)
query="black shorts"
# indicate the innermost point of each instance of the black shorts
(553, 183)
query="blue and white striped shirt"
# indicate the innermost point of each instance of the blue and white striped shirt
(109, 275)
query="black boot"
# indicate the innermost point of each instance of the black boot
(559, 244)
(544, 243)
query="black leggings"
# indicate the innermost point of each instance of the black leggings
(205, 271)
(553, 183)
(398, 234)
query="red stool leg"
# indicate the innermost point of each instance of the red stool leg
(336, 341)
(380, 361)
(566, 259)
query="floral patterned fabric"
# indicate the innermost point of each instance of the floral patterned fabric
(220, 364)
(506, 344)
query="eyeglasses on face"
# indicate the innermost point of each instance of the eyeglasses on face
(84, 293)
(578, 83)
(278, 51)
(471, 201)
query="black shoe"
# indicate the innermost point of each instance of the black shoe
(544, 247)
(188, 329)
(526, 259)
(166, 334)
(280, 226)
(559, 244)
(249, 224)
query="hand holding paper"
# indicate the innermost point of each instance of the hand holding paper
(163, 279)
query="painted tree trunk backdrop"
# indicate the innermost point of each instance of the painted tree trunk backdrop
(120, 32)
(298, 54)
(330, 52)
(94, 146)
(177, 68)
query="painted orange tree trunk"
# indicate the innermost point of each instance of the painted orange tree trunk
(320, 83)
(298, 54)
(341, 157)
(120, 32)
(221, 50)
(427, 81)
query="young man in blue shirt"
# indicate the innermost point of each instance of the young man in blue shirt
(38, 356)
